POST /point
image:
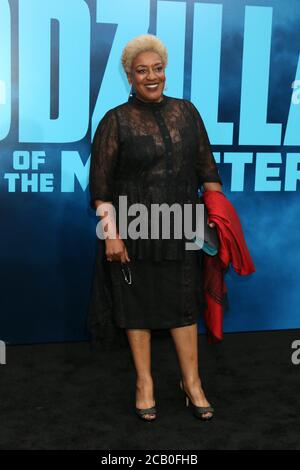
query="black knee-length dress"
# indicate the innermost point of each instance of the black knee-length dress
(152, 153)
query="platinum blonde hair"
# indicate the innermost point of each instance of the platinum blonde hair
(142, 43)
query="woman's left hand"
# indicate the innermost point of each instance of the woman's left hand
(212, 186)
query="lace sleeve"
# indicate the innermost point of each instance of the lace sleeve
(104, 153)
(205, 164)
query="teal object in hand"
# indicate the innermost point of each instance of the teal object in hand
(210, 244)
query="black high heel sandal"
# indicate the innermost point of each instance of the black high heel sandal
(143, 411)
(197, 411)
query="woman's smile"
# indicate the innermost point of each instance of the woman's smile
(152, 87)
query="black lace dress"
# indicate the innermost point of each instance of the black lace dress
(151, 152)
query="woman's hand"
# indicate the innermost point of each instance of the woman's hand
(116, 250)
(212, 186)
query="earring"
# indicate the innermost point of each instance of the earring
(131, 89)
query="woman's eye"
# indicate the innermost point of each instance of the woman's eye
(157, 69)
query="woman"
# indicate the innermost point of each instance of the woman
(153, 149)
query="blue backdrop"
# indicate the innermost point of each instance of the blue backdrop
(60, 71)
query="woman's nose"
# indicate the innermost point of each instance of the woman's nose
(151, 74)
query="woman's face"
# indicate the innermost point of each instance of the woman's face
(148, 69)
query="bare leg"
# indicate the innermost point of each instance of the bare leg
(186, 345)
(140, 344)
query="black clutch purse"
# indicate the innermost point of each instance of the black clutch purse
(210, 243)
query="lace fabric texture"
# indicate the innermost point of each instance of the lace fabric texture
(151, 152)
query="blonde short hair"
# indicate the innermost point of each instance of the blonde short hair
(142, 43)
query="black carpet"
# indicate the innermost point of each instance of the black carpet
(69, 396)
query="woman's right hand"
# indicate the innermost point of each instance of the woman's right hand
(115, 250)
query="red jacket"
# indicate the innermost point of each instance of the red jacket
(232, 249)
